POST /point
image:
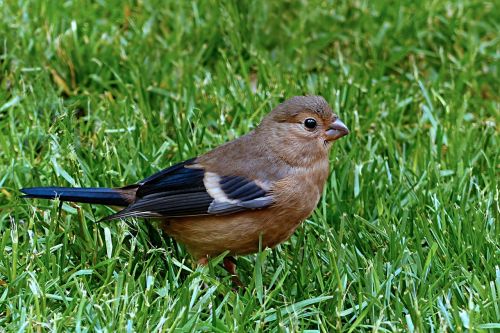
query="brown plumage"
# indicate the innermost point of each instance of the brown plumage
(259, 186)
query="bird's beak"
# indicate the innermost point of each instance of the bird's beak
(336, 130)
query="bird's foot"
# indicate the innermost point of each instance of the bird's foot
(230, 267)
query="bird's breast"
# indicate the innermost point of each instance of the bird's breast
(299, 194)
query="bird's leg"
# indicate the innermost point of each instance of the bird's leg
(203, 261)
(230, 267)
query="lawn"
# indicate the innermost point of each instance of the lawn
(405, 237)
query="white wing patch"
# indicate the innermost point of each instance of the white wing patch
(212, 184)
(233, 194)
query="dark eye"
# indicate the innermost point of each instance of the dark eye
(310, 123)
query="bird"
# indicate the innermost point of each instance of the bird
(248, 193)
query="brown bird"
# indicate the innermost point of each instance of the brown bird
(257, 188)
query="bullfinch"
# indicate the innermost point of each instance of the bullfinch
(254, 190)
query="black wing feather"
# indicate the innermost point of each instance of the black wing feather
(177, 177)
(180, 191)
(240, 188)
(163, 174)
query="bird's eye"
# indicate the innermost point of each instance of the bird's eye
(310, 123)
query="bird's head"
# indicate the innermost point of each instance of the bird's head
(305, 126)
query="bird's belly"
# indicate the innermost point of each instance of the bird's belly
(241, 233)
(237, 233)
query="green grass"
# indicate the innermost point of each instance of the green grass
(405, 238)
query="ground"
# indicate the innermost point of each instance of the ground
(405, 237)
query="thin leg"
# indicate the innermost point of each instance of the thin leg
(230, 266)
(203, 261)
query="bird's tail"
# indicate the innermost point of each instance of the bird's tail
(102, 196)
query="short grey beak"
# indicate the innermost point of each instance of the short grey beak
(336, 130)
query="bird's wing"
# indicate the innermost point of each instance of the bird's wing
(187, 189)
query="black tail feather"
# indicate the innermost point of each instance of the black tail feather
(95, 195)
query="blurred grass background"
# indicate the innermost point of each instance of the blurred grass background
(104, 93)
